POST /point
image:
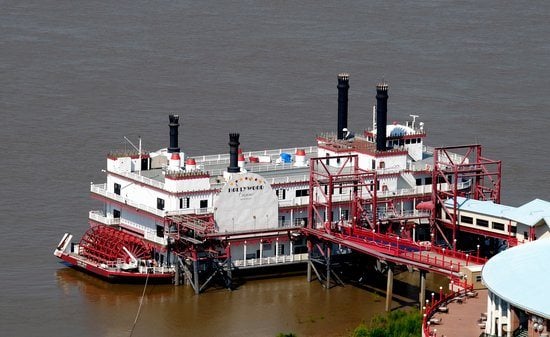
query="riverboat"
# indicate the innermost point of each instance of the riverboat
(172, 217)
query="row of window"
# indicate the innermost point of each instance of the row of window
(184, 203)
(485, 223)
(428, 180)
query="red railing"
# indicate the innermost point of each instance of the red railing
(447, 259)
(433, 306)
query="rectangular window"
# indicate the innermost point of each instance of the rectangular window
(302, 193)
(466, 219)
(428, 180)
(204, 204)
(373, 164)
(478, 278)
(281, 194)
(160, 203)
(281, 249)
(525, 236)
(482, 223)
(117, 188)
(344, 215)
(418, 181)
(407, 141)
(327, 161)
(338, 160)
(513, 229)
(498, 226)
(184, 202)
(340, 189)
(116, 213)
(160, 231)
(413, 141)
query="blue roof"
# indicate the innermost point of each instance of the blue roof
(520, 276)
(529, 214)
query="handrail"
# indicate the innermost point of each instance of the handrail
(433, 307)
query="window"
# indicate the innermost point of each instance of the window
(525, 236)
(413, 141)
(344, 214)
(428, 180)
(418, 181)
(281, 194)
(373, 164)
(327, 161)
(184, 202)
(160, 203)
(482, 223)
(478, 278)
(116, 213)
(407, 141)
(340, 189)
(281, 249)
(498, 226)
(160, 231)
(338, 160)
(382, 164)
(513, 229)
(117, 188)
(466, 219)
(204, 204)
(302, 193)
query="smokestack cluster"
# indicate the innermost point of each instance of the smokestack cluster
(381, 115)
(233, 153)
(174, 124)
(343, 87)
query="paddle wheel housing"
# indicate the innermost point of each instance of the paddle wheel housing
(105, 245)
(468, 174)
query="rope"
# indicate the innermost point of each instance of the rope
(140, 304)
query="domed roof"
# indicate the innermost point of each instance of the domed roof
(520, 276)
(398, 130)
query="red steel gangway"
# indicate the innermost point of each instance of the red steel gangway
(392, 248)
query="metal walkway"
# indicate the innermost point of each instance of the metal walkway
(392, 248)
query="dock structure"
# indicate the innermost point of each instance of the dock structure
(371, 232)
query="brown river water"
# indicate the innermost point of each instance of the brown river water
(77, 76)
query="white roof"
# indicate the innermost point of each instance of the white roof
(520, 276)
(529, 214)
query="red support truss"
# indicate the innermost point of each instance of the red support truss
(360, 184)
(461, 171)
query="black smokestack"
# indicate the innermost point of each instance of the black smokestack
(233, 153)
(381, 115)
(343, 87)
(174, 133)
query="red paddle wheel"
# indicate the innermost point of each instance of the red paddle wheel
(104, 244)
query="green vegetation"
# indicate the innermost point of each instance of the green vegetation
(399, 323)
(394, 324)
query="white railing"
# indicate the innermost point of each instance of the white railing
(271, 260)
(101, 189)
(224, 158)
(140, 178)
(99, 216)
(148, 233)
(204, 210)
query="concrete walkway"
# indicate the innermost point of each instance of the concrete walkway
(462, 318)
